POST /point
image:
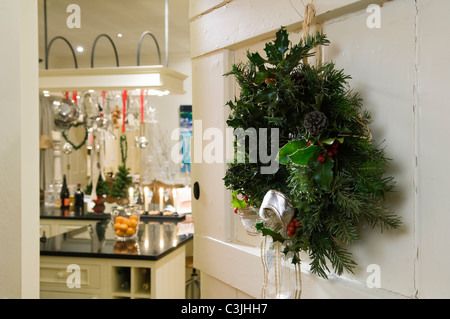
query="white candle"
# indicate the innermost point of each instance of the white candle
(161, 199)
(174, 196)
(130, 192)
(146, 194)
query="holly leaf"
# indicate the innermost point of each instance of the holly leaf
(256, 59)
(282, 41)
(269, 232)
(297, 152)
(323, 173)
(302, 156)
(260, 77)
(236, 202)
(289, 149)
(331, 140)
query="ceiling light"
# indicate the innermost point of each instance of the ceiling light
(80, 49)
(119, 35)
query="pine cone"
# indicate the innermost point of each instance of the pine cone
(315, 123)
(297, 77)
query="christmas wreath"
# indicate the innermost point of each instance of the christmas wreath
(330, 168)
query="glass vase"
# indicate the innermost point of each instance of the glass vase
(249, 217)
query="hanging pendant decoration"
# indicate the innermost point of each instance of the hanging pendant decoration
(71, 144)
(124, 110)
(65, 112)
(67, 148)
(141, 141)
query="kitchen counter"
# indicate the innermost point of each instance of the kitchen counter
(55, 213)
(155, 239)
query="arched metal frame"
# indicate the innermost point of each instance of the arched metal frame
(48, 45)
(140, 43)
(47, 50)
(113, 45)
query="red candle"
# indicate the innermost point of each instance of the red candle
(74, 96)
(103, 97)
(124, 109)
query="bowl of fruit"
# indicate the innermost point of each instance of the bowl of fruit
(126, 222)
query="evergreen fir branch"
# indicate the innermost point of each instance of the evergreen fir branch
(278, 91)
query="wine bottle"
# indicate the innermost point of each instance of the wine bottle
(79, 201)
(64, 197)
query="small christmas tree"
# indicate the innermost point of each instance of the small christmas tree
(121, 183)
(101, 189)
(122, 179)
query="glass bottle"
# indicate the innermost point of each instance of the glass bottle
(49, 196)
(79, 201)
(64, 197)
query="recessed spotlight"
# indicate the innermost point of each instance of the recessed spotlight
(80, 49)
(119, 35)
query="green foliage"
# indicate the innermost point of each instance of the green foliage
(334, 194)
(101, 189)
(122, 182)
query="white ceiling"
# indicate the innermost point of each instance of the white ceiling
(128, 17)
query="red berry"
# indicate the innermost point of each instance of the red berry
(330, 153)
(246, 199)
(308, 144)
(236, 210)
(321, 159)
(335, 151)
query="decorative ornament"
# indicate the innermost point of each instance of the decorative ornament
(116, 116)
(315, 123)
(65, 113)
(331, 171)
(90, 108)
(140, 142)
(73, 146)
(122, 180)
(67, 148)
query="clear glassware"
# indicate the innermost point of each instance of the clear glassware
(249, 217)
(125, 221)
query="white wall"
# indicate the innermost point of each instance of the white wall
(19, 190)
(401, 72)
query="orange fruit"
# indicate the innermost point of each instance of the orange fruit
(123, 227)
(119, 219)
(130, 231)
(120, 233)
(133, 223)
(125, 221)
(116, 226)
(134, 217)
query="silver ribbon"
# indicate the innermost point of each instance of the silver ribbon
(282, 279)
(276, 211)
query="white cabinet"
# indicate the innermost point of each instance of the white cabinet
(108, 278)
(53, 227)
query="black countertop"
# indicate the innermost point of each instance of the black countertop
(155, 239)
(56, 213)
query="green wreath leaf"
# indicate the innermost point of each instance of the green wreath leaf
(323, 173)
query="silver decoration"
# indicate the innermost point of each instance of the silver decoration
(282, 279)
(141, 142)
(276, 211)
(65, 113)
(67, 148)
